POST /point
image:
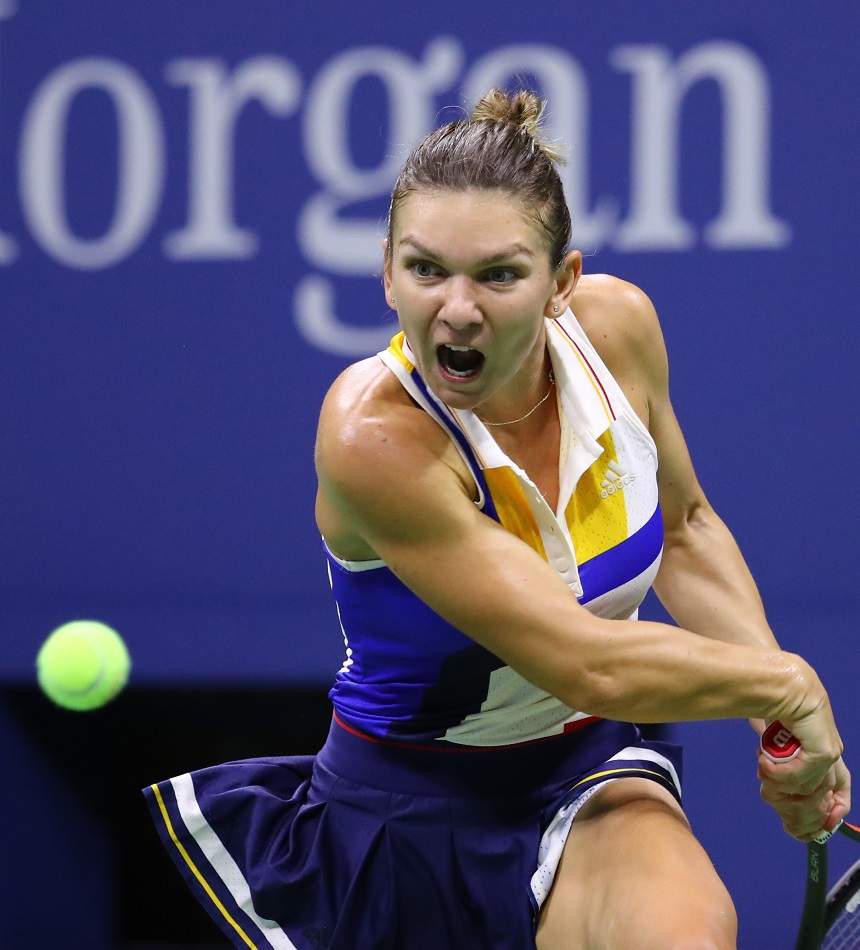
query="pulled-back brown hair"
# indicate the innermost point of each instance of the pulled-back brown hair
(498, 146)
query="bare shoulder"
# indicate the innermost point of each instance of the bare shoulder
(613, 294)
(367, 418)
(363, 393)
(619, 318)
(621, 322)
(374, 443)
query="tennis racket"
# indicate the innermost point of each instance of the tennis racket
(831, 919)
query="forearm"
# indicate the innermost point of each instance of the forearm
(652, 672)
(635, 671)
(706, 586)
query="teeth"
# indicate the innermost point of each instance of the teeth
(459, 349)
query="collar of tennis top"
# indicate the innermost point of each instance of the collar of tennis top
(575, 365)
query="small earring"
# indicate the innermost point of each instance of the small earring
(555, 309)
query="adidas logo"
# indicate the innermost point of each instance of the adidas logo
(615, 480)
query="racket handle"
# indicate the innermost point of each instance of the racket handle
(824, 836)
(778, 744)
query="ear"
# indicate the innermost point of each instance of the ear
(386, 276)
(565, 279)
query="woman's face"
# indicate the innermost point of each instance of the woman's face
(470, 277)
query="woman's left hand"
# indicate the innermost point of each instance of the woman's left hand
(805, 816)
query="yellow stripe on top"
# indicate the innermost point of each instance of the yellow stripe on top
(513, 507)
(395, 348)
(195, 871)
(597, 522)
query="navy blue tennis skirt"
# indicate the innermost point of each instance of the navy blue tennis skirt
(370, 846)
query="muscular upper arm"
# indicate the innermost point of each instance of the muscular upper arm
(385, 473)
(679, 489)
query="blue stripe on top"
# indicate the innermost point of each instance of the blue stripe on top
(624, 562)
(454, 431)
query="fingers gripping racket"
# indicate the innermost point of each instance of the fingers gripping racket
(831, 919)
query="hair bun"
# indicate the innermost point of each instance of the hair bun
(523, 109)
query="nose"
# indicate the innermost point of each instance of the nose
(459, 308)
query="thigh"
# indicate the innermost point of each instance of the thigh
(633, 875)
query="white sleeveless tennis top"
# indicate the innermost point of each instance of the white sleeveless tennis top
(604, 540)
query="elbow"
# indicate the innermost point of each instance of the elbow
(594, 685)
(609, 700)
(601, 695)
(689, 524)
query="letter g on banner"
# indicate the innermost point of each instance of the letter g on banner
(351, 246)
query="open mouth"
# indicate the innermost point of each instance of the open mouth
(459, 362)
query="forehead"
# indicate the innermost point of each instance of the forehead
(467, 224)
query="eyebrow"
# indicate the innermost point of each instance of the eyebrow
(504, 252)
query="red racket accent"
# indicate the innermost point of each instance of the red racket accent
(778, 744)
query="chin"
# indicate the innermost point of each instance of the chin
(452, 396)
(459, 394)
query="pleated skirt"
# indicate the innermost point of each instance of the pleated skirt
(377, 846)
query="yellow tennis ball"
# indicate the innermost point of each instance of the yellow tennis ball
(83, 665)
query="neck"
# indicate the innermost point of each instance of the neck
(529, 407)
(531, 412)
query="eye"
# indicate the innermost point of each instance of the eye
(501, 275)
(423, 269)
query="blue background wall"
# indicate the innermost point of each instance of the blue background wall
(191, 202)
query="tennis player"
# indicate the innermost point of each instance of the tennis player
(493, 514)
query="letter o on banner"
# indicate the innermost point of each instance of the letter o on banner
(42, 162)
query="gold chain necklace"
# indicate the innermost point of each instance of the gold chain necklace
(510, 422)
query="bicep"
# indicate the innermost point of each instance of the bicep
(678, 486)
